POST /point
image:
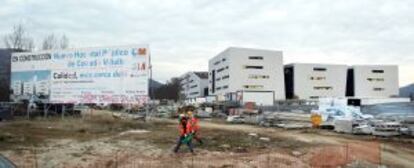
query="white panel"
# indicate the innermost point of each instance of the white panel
(366, 81)
(260, 98)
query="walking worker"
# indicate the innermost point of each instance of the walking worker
(184, 127)
(195, 127)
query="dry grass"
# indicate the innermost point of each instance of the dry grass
(98, 138)
(35, 132)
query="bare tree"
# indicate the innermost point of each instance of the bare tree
(49, 42)
(53, 42)
(18, 39)
(64, 42)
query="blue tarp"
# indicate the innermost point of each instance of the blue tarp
(6, 163)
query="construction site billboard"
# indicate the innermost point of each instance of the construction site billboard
(101, 75)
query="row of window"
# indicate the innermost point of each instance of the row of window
(259, 76)
(222, 78)
(375, 79)
(253, 67)
(222, 88)
(256, 57)
(222, 69)
(317, 78)
(194, 93)
(250, 77)
(377, 71)
(379, 89)
(253, 86)
(323, 88)
(185, 83)
(324, 69)
(319, 69)
(218, 62)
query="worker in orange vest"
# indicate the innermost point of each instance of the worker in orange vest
(185, 129)
(194, 127)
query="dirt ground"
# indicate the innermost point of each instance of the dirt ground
(104, 141)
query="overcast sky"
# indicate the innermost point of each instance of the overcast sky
(184, 34)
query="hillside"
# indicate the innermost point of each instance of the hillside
(406, 91)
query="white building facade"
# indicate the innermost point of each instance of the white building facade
(373, 81)
(246, 70)
(314, 81)
(194, 85)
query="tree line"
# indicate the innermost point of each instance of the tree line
(169, 91)
(19, 39)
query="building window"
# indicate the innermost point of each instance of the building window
(224, 59)
(218, 88)
(322, 88)
(227, 67)
(314, 97)
(193, 93)
(256, 57)
(217, 62)
(225, 77)
(377, 71)
(259, 76)
(317, 78)
(225, 86)
(253, 67)
(375, 79)
(218, 79)
(319, 69)
(253, 86)
(193, 86)
(221, 69)
(379, 89)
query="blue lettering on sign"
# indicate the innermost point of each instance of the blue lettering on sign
(118, 52)
(71, 64)
(108, 62)
(69, 55)
(80, 63)
(99, 53)
(134, 52)
(102, 74)
(86, 75)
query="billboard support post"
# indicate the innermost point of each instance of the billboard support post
(63, 111)
(45, 110)
(149, 88)
(146, 112)
(28, 111)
